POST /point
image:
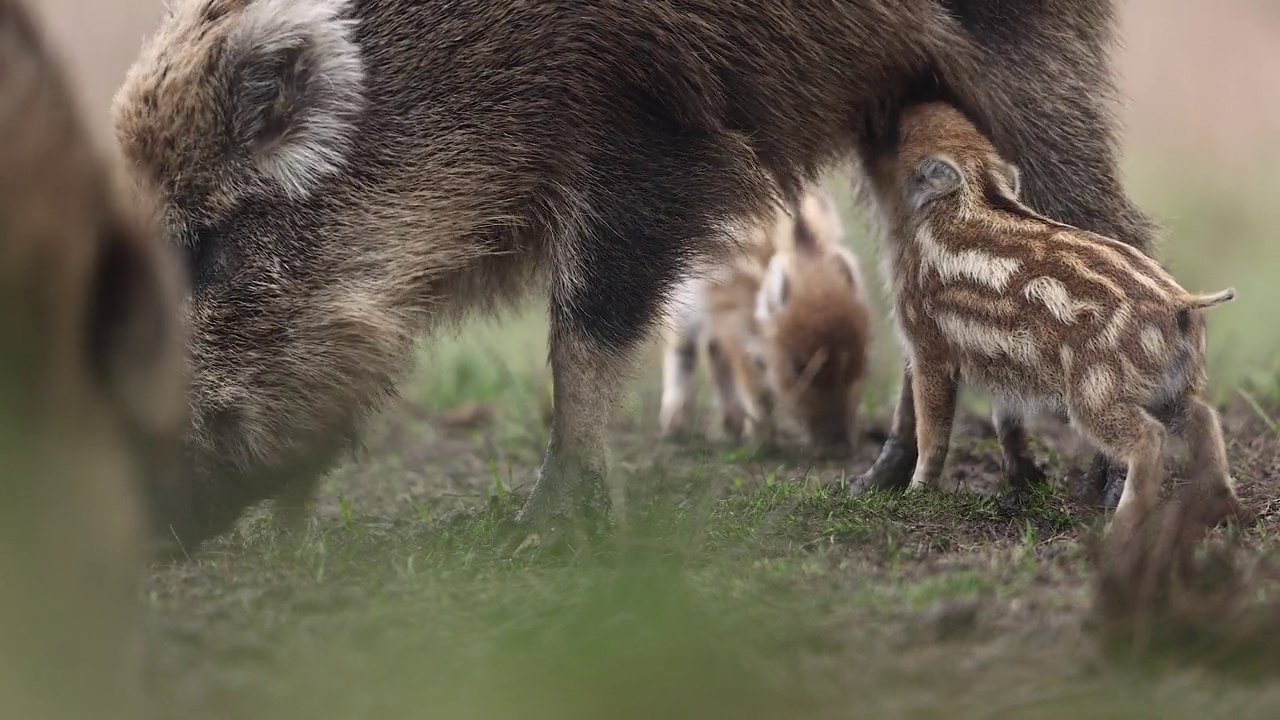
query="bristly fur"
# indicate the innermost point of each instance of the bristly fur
(785, 327)
(1042, 314)
(392, 164)
(92, 401)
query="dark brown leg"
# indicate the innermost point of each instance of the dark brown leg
(1019, 469)
(893, 467)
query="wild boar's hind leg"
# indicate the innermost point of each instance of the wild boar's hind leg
(1209, 473)
(1129, 432)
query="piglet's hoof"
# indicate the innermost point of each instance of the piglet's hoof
(1022, 476)
(1012, 503)
(1108, 477)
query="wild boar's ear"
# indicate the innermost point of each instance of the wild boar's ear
(295, 86)
(935, 177)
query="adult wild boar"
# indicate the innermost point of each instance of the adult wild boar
(345, 174)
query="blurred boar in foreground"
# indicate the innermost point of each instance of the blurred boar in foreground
(92, 402)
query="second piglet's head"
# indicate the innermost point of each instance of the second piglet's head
(814, 326)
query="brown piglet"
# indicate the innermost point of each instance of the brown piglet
(1042, 314)
(786, 328)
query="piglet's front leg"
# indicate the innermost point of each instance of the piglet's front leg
(935, 400)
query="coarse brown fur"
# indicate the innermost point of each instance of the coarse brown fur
(801, 347)
(345, 174)
(1044, 315)
(92, 399)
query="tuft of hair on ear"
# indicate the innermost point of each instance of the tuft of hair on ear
(295, 81)
(936, 176)
(1011, 175)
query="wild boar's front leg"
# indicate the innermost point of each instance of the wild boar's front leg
(570, 499)
(603, 305)
(935, 403)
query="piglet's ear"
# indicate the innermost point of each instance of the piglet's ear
(936, 176)
(295, 86)
(850, 268)
(774, 291)
(1012, 177)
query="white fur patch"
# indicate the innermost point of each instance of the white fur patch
(317, 145)
(1152, 342)
(1109, 336)
(983, 268)
(986, 340)
(1053, 294)
(1096, 385)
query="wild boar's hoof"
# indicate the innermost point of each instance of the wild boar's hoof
(891, 471)
(568, 511)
